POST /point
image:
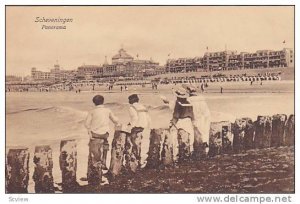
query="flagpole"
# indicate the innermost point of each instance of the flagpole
(168, 61)
(283, 43)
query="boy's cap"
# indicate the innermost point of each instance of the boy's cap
(132, 97)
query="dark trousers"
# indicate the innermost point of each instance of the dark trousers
(98, 147)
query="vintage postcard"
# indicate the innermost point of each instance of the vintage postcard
(150, 99)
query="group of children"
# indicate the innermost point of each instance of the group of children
(190, 115)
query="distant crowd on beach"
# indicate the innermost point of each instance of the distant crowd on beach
(124, 85)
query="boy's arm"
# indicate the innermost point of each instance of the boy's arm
(164, 99)
(113, 118)
(169, 103)
(182, 104)
(88, 121)
(188, 104)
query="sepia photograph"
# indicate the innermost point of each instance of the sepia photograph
(150, 99)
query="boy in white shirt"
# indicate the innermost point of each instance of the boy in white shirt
(140, 123)
(97, 123)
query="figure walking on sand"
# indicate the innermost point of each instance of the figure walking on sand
(139, 139)
(182, 119)
(201, 122)
(97, 123)
(202, 88)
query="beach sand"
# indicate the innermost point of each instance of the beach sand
(36, 118)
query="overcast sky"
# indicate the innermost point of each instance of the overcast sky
(154, 32)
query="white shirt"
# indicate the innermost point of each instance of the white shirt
(139, 116)
(202, 116)
(200, 107)
(97, 120)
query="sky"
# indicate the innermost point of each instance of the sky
(149, 32)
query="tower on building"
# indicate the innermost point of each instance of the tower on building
(105, 61)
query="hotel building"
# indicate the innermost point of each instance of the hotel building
(56, 74)
(231, 60)
(89, 72)
(123, 65)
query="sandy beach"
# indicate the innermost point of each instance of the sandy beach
(36, 118)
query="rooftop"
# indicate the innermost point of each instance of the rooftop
(122, 55)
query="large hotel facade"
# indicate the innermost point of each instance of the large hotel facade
(231, 60)
(55, 74)
(124, 65)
